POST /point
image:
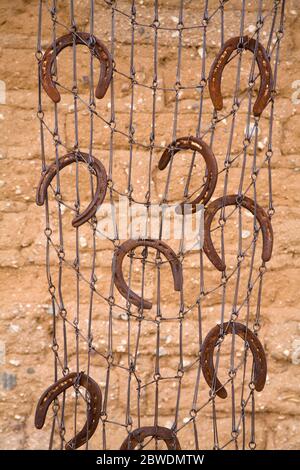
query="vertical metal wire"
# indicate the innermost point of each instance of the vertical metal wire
(58, 300)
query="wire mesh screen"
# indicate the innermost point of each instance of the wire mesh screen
(145, 105)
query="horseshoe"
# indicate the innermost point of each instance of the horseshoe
(198, 145)
(262, 60)
(139, 435)
(207, 355)
(262, 217)
(94, 410)
(159, 245)
(97, 48)
(64, 161)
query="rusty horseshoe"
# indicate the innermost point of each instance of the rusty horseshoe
(207, 356)
(64, 161)
(159, 245)
(94, 408)
(137, 436)
(197, 145)
(97, 48)
(215, 75)
(255, 209)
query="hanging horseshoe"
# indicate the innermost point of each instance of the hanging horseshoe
(64, 161)
(256, 210)
(197, 145)
(137, 436)
(207, 355)
(262, 60)
(97, 48)
(159, 245)
(94, 409)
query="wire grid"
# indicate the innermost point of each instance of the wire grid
(75, 329)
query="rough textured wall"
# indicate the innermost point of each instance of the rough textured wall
(26, 359)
